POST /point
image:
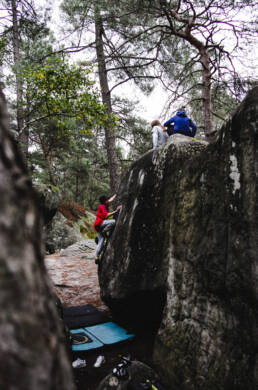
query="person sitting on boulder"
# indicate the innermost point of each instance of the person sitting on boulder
(159, 134)
(102, 224)
(182, 124)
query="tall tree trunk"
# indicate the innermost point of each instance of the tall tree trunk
(23, 134)
(33, 355)
(48, 159)
(206, 79)
(206, 91)
(185, 33)
(76, 188)
(106, 98)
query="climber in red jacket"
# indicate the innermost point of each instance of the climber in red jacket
(102, 224)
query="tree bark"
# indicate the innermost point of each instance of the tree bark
(206, 83)
(76, 187)
(23, 134)
(33, 354)
(106, 99)
(185, 33)
(48, 158)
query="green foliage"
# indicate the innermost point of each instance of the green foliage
(131, 128)
(77, 166)
(174, 36)
(126, 60)
(62, 112)
(59, 91)
(65, 121)
(2, 49)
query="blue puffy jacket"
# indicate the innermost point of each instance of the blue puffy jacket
(182, 124)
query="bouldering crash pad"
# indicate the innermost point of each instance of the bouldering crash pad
(109, 333)
(98, 336)
(81, 316)
(89, 342)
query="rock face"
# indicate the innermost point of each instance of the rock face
(66, 229)
(60, 235)
(136, 373)
(184, 254)
(83, 246)
(33, 355)
(49, 200)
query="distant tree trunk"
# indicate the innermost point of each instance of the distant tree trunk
(33, 355)
(206, 83)
(76, 188)
(206, 77)
(23, 134)
(109, 135)
(185, 33)
(48, 158)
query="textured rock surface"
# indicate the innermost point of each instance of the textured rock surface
(137, 371)
(60, 235)
(184, 253)
(74, 274)
(49, 199)
(61, 232)
(33, 355)
(83, 246)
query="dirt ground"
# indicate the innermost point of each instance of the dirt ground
(76, 283)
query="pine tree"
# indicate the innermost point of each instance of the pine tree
(23, 25)
(199, 28)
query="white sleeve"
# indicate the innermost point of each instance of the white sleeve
(155, 137)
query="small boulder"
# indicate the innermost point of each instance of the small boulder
(49, 200)
(135, 372)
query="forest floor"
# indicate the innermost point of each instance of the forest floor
(76, 283)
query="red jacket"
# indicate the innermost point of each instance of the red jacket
(102, 214)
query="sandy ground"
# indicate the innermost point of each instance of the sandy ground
(75, 279)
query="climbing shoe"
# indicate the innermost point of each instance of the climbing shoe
(97, 260)
(120, 372)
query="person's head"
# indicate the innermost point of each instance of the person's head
(103, 199)
(155, 123)
(182, 108)
(181, 112)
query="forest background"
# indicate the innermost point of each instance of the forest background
(83, 80)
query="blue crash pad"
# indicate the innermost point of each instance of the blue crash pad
(108, 333)
(99, 335)
(92, 343)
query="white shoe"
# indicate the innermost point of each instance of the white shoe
(79, 363)
(100, 360)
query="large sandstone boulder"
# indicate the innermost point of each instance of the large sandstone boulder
(33, 355)
(184, 254)
(60, 234)
(49, 199)
(66, 229)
